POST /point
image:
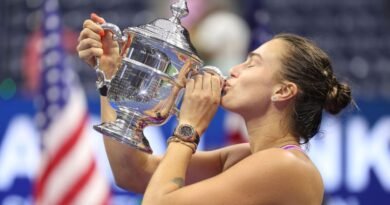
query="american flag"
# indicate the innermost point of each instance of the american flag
(69, 172)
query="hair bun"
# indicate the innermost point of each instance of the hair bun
(338, 98)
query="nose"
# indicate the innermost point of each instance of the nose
(235, 71)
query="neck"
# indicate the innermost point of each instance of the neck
(268, 132)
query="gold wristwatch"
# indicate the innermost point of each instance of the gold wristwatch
(186, 133)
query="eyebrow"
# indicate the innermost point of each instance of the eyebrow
(252, 54)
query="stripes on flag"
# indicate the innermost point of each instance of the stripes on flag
(235, 129)
(69, 173)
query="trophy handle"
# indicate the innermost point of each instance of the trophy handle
(209, 69)
(117, 36)
(175, 111)
(214, 71)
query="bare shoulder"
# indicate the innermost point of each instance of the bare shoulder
(233, 154)
(272, 176)
(289, 172)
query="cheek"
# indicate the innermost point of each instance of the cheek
(256, 98)
(247, 96)
(246, 104)
(255, 88)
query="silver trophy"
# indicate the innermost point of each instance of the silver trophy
(156, 61)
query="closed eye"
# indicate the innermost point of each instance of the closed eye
(255, 58)
(250, 61)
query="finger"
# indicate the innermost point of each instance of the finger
(198, 82)
(97, 18)
(88, 33)
(190, 84)
(216, 86)
(90, 53)
(206, 82)
(93, 26)
(89, 43)
(107, 38)
(186, 68)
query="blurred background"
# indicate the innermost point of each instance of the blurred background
(352, 150)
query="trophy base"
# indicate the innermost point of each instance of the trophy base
(134, 138)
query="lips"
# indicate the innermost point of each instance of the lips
(227, 84)
(226, 87)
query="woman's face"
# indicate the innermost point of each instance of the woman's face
(249, 89)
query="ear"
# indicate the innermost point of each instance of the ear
(284, 91)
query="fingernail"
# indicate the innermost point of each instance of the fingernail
(102, 33)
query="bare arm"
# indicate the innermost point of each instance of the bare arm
(133, 169)
(273, 176)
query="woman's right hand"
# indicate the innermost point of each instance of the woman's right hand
(94, 43)
(201, 100)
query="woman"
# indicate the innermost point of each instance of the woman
(281, 91)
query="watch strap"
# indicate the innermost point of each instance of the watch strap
(191, 145)
(103, 90)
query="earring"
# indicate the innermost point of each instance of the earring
(273, 98)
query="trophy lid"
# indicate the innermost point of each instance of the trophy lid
(170, 30)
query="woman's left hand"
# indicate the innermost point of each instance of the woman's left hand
(201, 100)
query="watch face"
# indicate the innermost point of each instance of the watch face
(186, 131)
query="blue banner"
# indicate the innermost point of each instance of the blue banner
(351, 151)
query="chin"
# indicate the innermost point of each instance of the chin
(230, 102)
(223, 104)
(226, 105)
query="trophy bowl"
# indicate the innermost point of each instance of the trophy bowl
(156, 61)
